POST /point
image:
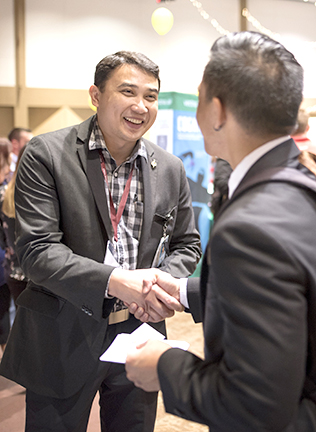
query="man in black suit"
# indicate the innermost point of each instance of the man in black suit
(95, 204)
(258, 281)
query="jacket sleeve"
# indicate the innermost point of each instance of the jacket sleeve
(46, 201)
(194, 299)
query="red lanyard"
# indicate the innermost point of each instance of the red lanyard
(116, 216)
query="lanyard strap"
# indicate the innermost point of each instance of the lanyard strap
(116, 216)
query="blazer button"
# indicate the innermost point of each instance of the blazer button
(86, 310)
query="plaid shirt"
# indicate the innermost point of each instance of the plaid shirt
(125, 250)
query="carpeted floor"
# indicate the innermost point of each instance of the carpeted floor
(180, 327)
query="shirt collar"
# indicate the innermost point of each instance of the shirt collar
(97, 141)
(14, 157)
(243, 167)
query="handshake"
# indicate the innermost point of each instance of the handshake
(150, 294)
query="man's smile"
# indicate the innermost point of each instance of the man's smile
(134, 121)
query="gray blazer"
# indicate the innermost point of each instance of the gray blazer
(258, 296)
(62, 230)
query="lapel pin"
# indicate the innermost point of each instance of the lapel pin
(153, 164)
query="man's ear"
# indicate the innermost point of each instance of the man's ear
(219, 113)
(94, 93)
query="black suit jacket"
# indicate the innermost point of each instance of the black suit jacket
(258, 294)
(62, 227)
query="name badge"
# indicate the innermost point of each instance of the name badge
(160, 254)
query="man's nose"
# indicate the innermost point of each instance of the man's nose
(140, 106)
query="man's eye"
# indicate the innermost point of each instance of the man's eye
(152, 97)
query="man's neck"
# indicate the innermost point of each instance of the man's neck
(247, 145)
(250, 159)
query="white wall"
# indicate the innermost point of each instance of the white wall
(66, 38)
(7, 56)
(295, 22)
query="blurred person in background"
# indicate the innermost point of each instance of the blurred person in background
(5, 150)
(222, 173)
(300, 133)
(14, 275)
(18, 137)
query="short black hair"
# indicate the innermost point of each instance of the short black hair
(108, 64)
(258, 79)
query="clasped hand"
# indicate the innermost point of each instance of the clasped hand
(150, 294)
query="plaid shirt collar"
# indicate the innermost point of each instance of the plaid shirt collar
(97, 141)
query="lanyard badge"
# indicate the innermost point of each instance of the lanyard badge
(161, 251)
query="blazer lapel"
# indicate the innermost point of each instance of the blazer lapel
(90, 161)
(150, 173)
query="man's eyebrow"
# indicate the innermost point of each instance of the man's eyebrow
(126, 84)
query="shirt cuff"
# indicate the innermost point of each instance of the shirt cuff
(106, 294)
(184, 292)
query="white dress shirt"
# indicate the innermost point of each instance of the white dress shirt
(243, 167)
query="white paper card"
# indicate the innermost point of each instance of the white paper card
(145, 332)
(124, 342)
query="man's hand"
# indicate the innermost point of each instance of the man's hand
(141, 365)
(135, 287)
(167, 287)
(167, 291)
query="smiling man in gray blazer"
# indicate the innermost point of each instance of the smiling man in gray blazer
(94, 203)
(258, 279)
